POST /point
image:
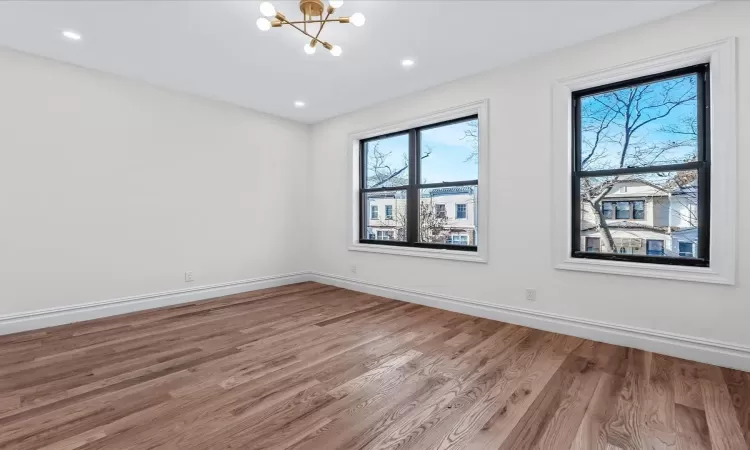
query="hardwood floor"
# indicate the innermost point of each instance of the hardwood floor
(309, 366)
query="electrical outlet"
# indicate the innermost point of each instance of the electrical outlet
(531, 295)
(188, 277)
(353, 269)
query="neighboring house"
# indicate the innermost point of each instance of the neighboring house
(644, 219)
(453, 208)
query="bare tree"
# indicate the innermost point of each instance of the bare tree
(614, 135)
(471, 134)
(380, 173)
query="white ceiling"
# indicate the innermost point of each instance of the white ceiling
(214, 48)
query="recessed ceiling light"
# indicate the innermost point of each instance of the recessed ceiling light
(72, 35)
(299, 104)
(407, 62)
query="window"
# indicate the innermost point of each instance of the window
(460, 211)
(643, 137)
(423, 169)
(686, 249)
(457, 239)
(639, 210)
(593, 244)
(622, 210)
(654, 247)
(385, 235)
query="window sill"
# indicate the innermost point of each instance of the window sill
(455, 255)
(682, 273)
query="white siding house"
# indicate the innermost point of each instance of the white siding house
(644, 219)
(453, 209)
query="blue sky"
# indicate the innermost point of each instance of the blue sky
(650, 135)
(448, 160)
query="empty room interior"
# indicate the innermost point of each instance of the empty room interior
(326, 224)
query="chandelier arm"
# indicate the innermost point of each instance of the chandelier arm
(313, 21)
(304, 32)
(322, 24)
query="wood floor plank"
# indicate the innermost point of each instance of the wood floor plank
(738, 384)
(724, 429)
(309, 367)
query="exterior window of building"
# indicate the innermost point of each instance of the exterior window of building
(457, 239)
(593, 244)
(622, 210)
(654, 247)
(385, 235)
(639, 212)
(637, 141)
(421, 171)
(460, 211)
(686, 249)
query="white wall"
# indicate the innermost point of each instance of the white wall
(112, 188)
(520, 141)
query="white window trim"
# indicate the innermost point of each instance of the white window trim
(722, 57)
(480, 108)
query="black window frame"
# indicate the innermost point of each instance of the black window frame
(413, 189)
(702, 165)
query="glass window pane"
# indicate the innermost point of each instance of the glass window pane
(437, 222)
(660, 207)
(387, 161)
(381, 226)
(449, 153)
(641, 125)
(593, 244)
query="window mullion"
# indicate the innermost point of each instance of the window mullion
(412, 192)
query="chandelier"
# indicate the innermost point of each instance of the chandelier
(312, 15)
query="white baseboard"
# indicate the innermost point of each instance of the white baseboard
(32, 320)
(688, 347)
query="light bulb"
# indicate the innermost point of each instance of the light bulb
(407, 62)
(72, 35)
(357, 19)
(267, 9)
(336, 50)
(336, 3)
(309, 49)
(263, 24)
